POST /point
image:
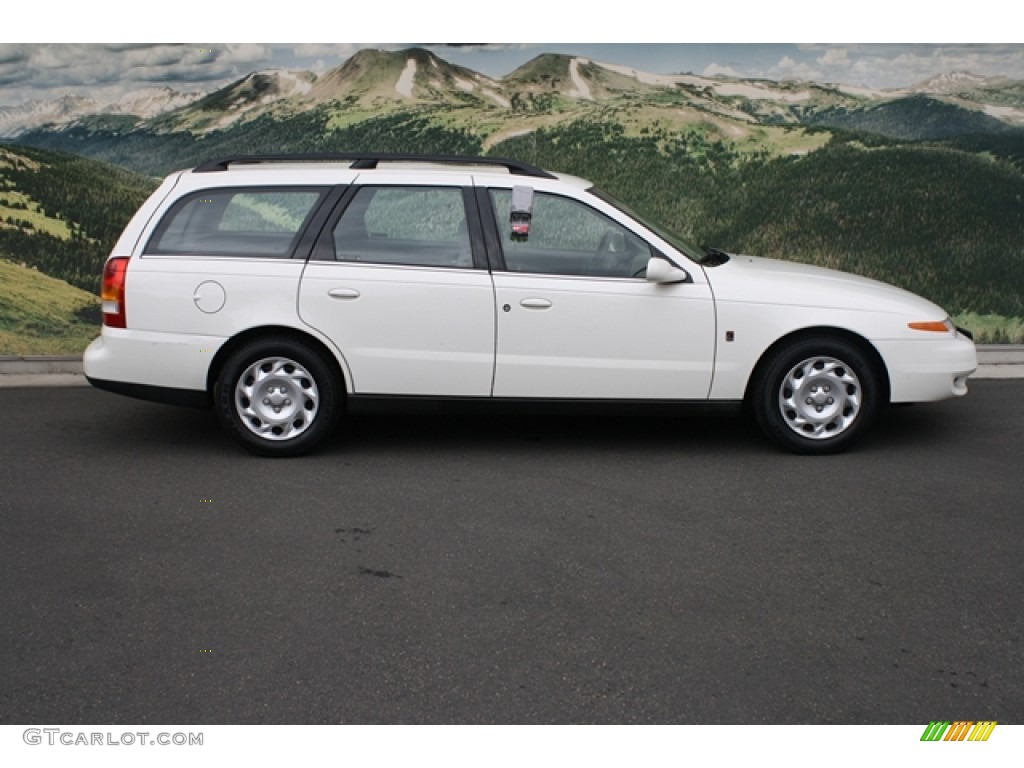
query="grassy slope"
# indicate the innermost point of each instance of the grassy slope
(40, 315)
(27, 215)
(61, 213)
(992, 329)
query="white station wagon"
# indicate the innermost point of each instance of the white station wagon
(276, 288)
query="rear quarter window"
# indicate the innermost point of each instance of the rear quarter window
(242, 222)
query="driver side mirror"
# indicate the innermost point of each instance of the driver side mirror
(661, 271)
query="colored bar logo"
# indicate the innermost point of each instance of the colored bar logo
(958, 730)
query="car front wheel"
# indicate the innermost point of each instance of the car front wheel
(817, 396)
(278, 397)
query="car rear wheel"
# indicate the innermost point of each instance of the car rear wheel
(278, 397)
(817, 395)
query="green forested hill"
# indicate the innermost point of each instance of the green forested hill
(946, 224)
(913, 118)
(157, 154)
(1007, 147)
(40, 315)
(61, 213)
(942, 222)
(942, 217)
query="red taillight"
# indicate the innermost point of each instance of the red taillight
(112, 292)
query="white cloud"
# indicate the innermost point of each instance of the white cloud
(834, 57)
(48, 71)
(891, 66)
(13, 52)
(790, 68)
(326, 50)
(718, 69)
(242, 53)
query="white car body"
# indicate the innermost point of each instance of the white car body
(485, 331)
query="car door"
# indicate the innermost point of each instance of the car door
(399, 287)
(578, 319)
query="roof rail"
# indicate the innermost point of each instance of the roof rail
(369, 160)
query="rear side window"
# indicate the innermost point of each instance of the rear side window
(418, 226)
(236, 222)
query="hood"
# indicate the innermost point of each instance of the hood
(770, 281)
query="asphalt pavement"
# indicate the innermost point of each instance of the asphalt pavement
(509, 564)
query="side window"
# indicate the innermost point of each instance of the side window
(568, 238)
(235, 222)
(420, 226)
(266, 211)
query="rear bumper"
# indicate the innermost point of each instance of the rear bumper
(167, 395)
(928, 370)
(143, 361)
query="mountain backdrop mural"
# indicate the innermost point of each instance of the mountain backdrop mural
(921, 186)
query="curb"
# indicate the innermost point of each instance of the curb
(39, 364)
(41, 371)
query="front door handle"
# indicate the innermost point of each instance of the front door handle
(535, 303)
(343, 293)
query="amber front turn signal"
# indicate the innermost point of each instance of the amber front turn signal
(933, 325)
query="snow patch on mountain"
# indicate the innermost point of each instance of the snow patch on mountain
(581, 89)
(950, 82)
(407, 79)
(496, 97)
(756, 92)
(861, 90)
(148, 102)
(291, 82)
(226, 120)
(32, 114)
(283, 84)
(722, 88)
(647, 78)
(1007, 114)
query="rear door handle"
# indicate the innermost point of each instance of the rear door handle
(343, 293)
(535, 303)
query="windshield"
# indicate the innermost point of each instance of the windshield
(683, 245)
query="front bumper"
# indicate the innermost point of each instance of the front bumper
(928, 369)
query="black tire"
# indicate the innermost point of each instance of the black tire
(817, 395)
(297, 397)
